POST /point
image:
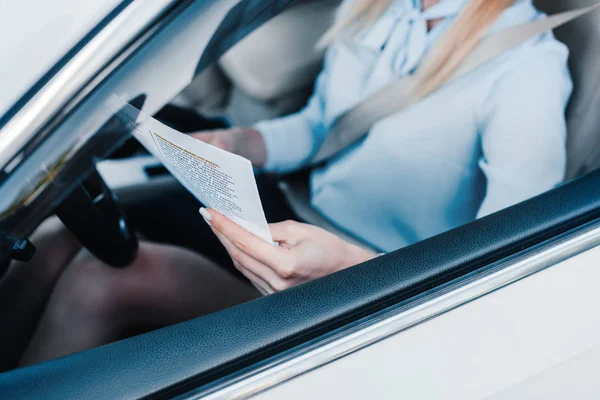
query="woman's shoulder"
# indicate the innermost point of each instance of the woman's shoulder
(536, 76)
(536, 69)
(544, 49)
(541, 55)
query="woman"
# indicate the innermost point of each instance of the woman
(489, 140)
(497, 136)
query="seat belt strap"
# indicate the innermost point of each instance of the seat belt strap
(358, 121)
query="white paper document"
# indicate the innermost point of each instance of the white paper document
(220, 180)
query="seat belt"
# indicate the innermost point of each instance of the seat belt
(356, 123)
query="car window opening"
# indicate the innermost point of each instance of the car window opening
(461, 150)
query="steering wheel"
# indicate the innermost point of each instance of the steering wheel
(93, 214)
(92, 211)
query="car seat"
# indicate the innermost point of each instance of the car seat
(582, 36)
(248, 85)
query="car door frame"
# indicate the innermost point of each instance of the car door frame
(244, 349)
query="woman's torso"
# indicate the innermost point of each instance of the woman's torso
(417, 172)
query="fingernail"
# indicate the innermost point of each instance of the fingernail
(206, 215)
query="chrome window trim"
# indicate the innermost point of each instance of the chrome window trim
(59, 64)
(76, 74)
(398, 318)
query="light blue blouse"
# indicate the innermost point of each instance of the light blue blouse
(487, 141)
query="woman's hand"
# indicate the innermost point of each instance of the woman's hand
(305, 252)
(246, 142)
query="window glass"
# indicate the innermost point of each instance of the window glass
(464, 146)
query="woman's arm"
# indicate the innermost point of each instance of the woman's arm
(523, 132)
(291, 141)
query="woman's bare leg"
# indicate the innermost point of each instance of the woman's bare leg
(94, 304)
(26, 287)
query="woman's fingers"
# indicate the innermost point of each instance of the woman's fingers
(270, 277)
(218, 138)
(262, 286)
(206, 137)
(248, 243)
(289, 232)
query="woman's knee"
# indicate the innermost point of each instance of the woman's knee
(88, 290)
(165, 284)
(92, 290)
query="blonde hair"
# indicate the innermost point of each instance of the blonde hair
(446, 56)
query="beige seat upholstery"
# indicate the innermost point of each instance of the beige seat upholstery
(583, 116)
(269, 73)
(274, 68)
(208, 93)
(291, 36)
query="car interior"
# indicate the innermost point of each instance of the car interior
(242, 89)
(247, 90)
